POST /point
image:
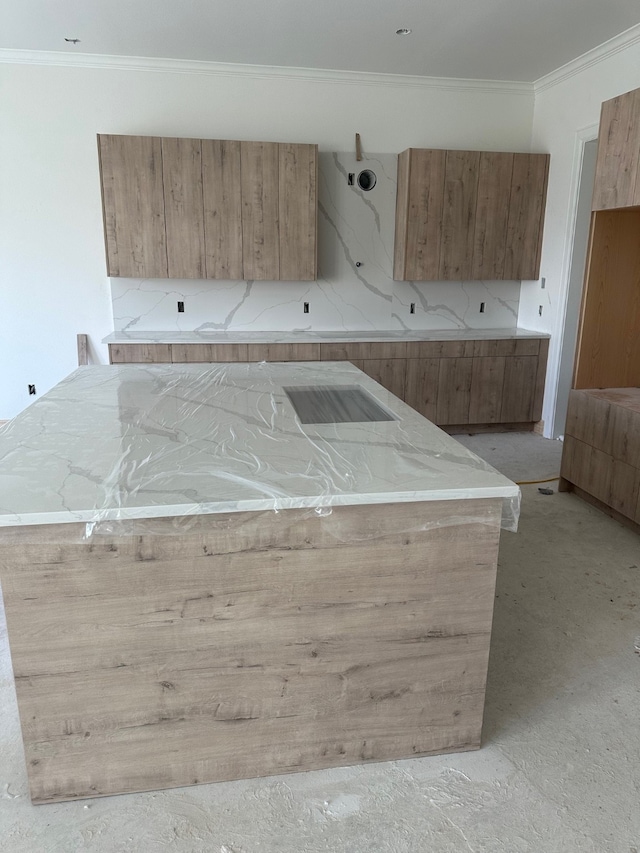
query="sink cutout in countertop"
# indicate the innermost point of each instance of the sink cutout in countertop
(336, 404)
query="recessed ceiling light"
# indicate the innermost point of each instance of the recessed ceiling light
(403, 31)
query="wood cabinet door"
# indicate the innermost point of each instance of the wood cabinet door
(183, 207)
(389, 372)
(419, 214)
(519, 389)
(260, 205)
(526, 216)
(297, 211)
(222, 209)
(617, 181)
(454, 391)
(133, 205)
(492, 214)
(421, 386)
(458, 215)
(487, 384)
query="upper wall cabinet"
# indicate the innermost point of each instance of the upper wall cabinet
(466, 215)
(617, 181)
(191, 208)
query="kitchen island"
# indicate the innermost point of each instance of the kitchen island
(202, 586)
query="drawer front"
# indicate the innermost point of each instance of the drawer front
(140, 353)
(283, 352)
(189, 353)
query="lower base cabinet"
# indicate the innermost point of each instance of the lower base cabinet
(455, 384)
(601, 450)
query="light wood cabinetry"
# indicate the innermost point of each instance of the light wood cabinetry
(456, 384)
(222, 208)
(601, 453)
(183, 207)
(608, 352)
(133, 206)
(190, 208)
(617, 180)
(464, 215)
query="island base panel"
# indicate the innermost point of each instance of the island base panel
(220, 647)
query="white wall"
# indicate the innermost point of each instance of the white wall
(52, 275)
(566, 114)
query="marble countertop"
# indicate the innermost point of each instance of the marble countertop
(207, 336)
(131, 441)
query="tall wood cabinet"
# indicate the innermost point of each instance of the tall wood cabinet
(617, 182)
(601, 453)
(466, 215)
(191, 208)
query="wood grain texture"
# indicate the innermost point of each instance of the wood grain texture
(454, 390)
(491, 215)
(608, 351)
(140, 353)
(602, 447)
(221, 183)
(421, 386)
(440, 349)
(526, 216)
(519, 389)
(83, 350)
(133, 205)
(487, 389)
(616, 180)
(298, 206)
(402, 217)
(248, 645)
(189, 353)
(513, 346)
(424, 214)
(260, 204)
(587, 467)
(389, 372)
(283, 352)
(458, 215)
(183, 207)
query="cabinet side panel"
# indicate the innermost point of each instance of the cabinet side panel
(222, 208)
(260, 228)
(492, 212)
(616, 181)
(297, 211)
(183, 205)
(526, 216)
(251, 644)
(133, 203)
(458, 215)
(402, 202)
(424, 214)
(609, 344)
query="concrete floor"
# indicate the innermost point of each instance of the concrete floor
(559, 770)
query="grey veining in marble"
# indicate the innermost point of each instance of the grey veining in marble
(310, 336)
(127, 442)
(355, 288)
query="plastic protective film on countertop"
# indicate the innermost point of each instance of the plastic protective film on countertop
(132, 449)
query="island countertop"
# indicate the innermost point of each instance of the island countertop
(128, 442)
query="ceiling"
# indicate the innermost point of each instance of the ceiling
(518, 40)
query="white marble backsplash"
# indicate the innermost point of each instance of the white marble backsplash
(353, 227)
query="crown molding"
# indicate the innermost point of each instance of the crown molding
(592, 57)
(226, 69)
